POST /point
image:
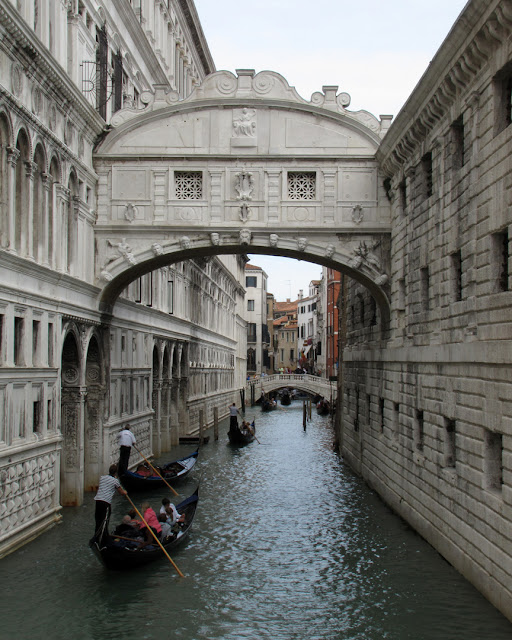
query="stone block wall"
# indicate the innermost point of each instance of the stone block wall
(428, 416)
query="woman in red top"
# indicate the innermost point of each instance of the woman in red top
(150, 517)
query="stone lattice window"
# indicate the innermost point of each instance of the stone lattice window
(301, 185)
(188, 185)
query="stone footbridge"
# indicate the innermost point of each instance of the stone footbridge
(302, 382)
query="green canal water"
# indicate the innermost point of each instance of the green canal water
(287, 544)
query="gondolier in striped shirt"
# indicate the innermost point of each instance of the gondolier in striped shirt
(106, 489)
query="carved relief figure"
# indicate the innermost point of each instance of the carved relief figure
(244, 185)
(273, 239)
(124, 250)
(245, 125)
(157, 249)
(302, 243)
(185, 242)
(245, 236)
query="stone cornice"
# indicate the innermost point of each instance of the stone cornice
(194, 25)
(481, 27)
(39, 63)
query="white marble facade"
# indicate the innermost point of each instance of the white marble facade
(70, 376)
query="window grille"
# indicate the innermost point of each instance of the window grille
(188, 185)
(301, 185)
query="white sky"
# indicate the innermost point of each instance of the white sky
(374, 50)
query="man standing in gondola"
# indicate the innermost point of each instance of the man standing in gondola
(107, 487)
(233, 417)
(126, 440)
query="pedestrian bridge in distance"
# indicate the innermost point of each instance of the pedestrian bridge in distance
(302, 382)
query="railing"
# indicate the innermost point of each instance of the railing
(300, 381)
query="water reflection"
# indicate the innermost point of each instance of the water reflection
(287, 544)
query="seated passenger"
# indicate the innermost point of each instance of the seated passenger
(170, 511)
(166, 527)
(128, 528)
(150, 518)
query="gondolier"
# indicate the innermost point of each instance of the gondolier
(126, 440)
(233, 416)
(107, 487)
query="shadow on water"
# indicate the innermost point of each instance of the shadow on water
(288, 544)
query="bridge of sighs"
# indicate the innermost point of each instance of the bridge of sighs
(243, 165)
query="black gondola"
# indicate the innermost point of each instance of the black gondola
(120, 553)
(286, 398)
(268, 405)
(323, 407)
(239, 436)
(171, 471)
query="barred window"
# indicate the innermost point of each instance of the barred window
(301, 185)
(188, 185)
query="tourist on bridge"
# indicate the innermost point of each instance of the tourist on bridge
(107, 487)
(126, 440)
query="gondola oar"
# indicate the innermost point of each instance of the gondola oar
(154, 536)
(157, 473)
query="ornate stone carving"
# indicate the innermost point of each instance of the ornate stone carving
(273, 239)
(329, 250)
(185, 242)
(245, 212)
(81, 146)
(244, 185)
(130, 212)
(215, 239)
(124, 250)
(381, 280)
(70, 374)
(244, 124)
(245, 236)
(37, 100)
(105, 275)
(302, 243)
(17, 79)
(157, 249)
(357, 214)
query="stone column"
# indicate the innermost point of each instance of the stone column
(157, 407)
(62, 195)
(45, 222)
(30, 170)
(174, 427)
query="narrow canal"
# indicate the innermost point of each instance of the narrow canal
(287, 545)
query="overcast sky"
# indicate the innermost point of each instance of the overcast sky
(375, 51)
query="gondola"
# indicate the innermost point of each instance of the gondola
(286, 398)
(120, 553)
(239, 436)
(268, 405)
(171, 471)
(323, 407)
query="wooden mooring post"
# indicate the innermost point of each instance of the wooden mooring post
(216, 423)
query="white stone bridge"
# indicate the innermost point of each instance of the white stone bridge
(243, 165)
(302, 382)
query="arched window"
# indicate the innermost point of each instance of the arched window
(52, 210)
(71, 224)
(21, 195)
(39, 205)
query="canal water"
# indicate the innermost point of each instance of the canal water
(287, 544)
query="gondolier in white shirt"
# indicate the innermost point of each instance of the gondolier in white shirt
(126, 440)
